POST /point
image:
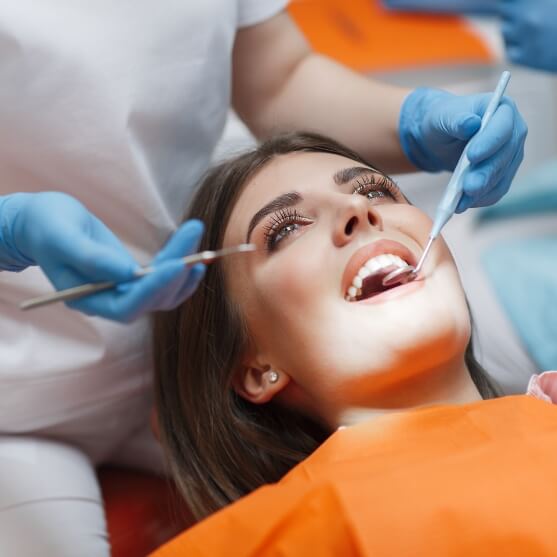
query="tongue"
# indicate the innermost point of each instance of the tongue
(373, 284)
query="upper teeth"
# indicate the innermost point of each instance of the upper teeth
(371, 266)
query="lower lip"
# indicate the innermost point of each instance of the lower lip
(393, 293)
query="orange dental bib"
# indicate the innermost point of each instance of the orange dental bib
(477, 479)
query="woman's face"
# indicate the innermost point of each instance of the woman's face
(320, 221)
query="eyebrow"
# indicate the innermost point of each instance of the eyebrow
(348, 174)
(281, 202)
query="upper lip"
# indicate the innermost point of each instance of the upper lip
(368, 251)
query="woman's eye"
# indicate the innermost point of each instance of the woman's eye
(375, 194)
(285, 231)
(377, 189)
(282, 226)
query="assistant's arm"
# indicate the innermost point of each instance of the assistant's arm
(279, 85)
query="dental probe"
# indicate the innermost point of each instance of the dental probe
(453, 193)
(90, 288)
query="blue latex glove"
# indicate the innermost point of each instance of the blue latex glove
(72, 247)
(529, 28)
(435, 126)
(444, 6)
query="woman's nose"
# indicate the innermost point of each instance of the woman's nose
(356, 216)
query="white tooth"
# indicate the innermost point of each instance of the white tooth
(399, 261)
(396, 260)
(373, 265)
(384, 260)
(352, 291)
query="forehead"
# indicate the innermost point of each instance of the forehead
(302, 172)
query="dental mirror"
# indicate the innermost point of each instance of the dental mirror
(408, 273)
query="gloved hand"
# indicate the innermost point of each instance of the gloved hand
(529, 28)
(444, 6)
(72, 247)
(435, 126)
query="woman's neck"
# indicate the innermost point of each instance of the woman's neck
(449, 384)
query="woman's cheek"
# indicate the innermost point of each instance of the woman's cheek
(292, 276)
(290, 286)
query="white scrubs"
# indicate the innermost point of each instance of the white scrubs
(119, 104)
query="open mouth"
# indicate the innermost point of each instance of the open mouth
(368, 266)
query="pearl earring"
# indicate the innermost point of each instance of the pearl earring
(273, 376)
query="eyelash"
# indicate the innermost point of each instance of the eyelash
(382, 184)
(289, 217)
(278, 223)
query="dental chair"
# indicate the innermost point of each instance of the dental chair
(142, 510)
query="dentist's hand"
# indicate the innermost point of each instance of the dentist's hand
(435, 126)
(73, 247)
(529, 28)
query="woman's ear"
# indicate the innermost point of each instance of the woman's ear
(259, 384)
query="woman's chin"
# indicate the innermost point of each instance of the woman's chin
(381, 359)
(395, 386)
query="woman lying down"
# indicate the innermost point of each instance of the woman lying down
(321, 414)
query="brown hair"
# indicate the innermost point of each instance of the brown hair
(218, 445)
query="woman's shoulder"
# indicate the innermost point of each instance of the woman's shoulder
(413, 468)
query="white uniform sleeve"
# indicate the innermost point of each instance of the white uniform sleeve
(251, 12)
